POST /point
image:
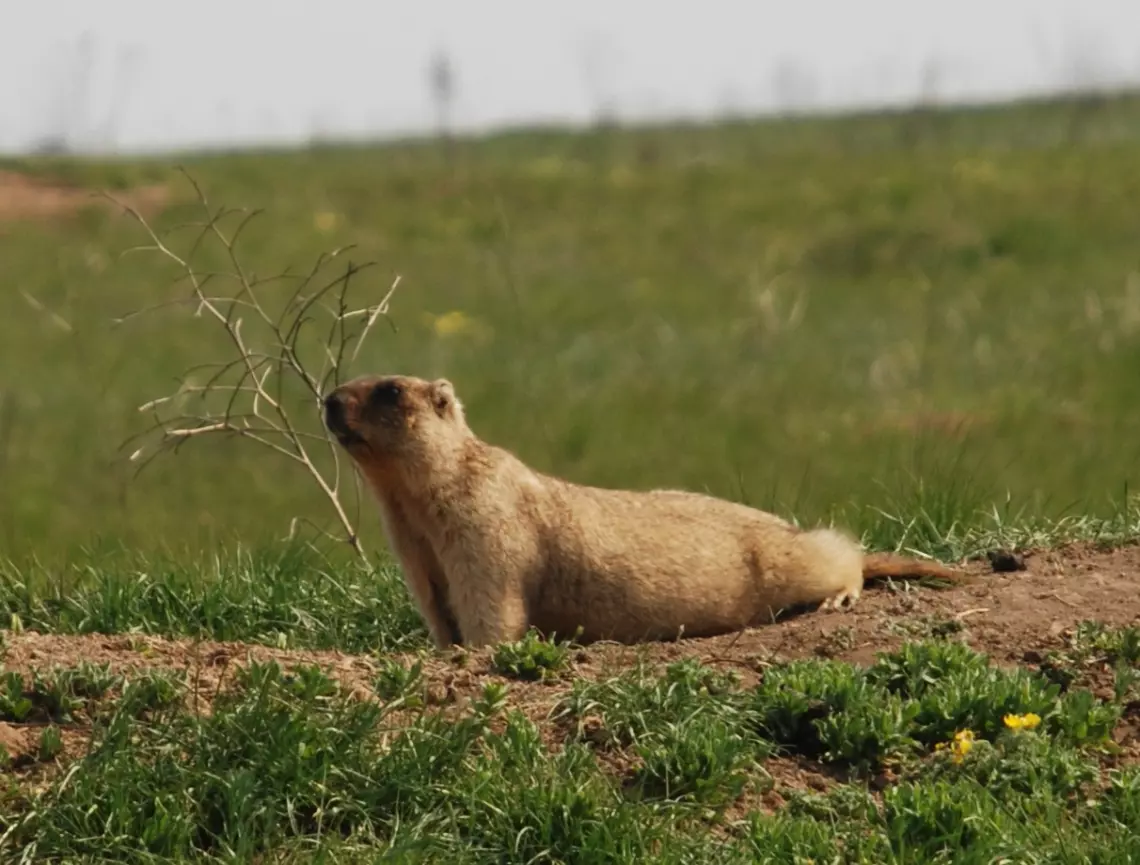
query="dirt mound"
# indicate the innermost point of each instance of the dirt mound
(1017, 617)
(25, 198)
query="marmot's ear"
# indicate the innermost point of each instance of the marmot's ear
(443, 397)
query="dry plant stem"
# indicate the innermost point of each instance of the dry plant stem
(268, 422)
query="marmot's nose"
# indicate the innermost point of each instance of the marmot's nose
(334, 413)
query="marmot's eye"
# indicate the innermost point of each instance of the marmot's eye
(386, 394)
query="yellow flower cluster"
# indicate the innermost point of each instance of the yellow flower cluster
(451, 323)
(959, 746)
(1022, 722)
(963, 740)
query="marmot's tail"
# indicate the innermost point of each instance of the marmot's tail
(876, 566)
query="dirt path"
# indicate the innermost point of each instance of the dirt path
(28, 198)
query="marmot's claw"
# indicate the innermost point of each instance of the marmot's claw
(847, 598)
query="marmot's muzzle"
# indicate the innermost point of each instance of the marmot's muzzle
(336, 421)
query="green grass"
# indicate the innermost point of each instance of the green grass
(288, 596)
(289, 766)
(767, 311)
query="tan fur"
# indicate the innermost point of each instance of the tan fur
(489, 546)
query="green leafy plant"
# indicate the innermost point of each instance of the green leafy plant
(868, 732)
(1081, 719)
(54, 695)
(1120, 801)
(92, 681)
(831, 710)
(491, 700)
(1059, 668)
(640, 702)
(841, 825)
(916, 667)
(1094, 640)
(979, 699)
(1021, 767)
(269, 762)
(15, 705)
(923, 821)
(522, 803)
(151, 691)
(531, 658)
(780, 838)
(397, 681)
(51, 744)
(699, 759)
(309, 683)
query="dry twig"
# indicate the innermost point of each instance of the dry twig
(248, 395)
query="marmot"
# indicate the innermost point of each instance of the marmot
(490, 547)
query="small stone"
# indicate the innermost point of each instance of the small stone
(883, 779)
(439, 694)
(1005, 561)
(593, 729)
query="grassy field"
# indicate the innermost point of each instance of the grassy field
(916, 314)
(924, 325)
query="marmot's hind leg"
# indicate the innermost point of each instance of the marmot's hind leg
(835, 566)
(836, 601)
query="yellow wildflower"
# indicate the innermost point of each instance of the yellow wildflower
(1022, 722)
(325, 221)
(451, 323)
(456, 324)
(963, 742)
(960, 746)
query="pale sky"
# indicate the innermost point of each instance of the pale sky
(157, 75)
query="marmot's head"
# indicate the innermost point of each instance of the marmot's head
(394, 416)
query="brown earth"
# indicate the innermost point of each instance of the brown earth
(29, 198)
(1016, 617)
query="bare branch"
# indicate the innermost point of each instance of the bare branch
(253, 394)
(380, 309)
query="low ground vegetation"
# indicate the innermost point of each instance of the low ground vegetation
(825, 737)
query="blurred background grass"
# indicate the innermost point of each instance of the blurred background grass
(925, 311)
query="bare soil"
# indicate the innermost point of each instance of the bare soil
(29, 198)
(1015, 617)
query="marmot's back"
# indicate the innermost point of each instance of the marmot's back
(644, 565)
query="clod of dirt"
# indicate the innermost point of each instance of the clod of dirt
(592, 729)
(884, 779)
(13, 740)
(1005, 561)
(439, 694)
